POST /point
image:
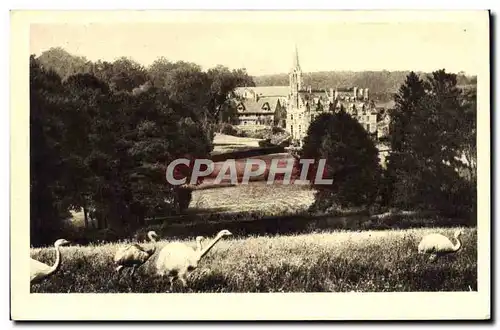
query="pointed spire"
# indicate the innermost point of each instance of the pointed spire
(296, 64)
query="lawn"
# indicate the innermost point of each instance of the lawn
(343, 261)
(272, 199)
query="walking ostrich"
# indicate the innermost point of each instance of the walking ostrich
(437, 245)
(134, 255)
(176, 260)
(39, 270)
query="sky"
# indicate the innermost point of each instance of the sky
(268, 47)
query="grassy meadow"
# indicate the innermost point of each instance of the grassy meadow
(361, 259)
(273, 199)
(342, 261)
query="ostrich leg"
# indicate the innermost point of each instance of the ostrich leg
(171, 280)
(132, 272)
(183, 279)
(119, 272)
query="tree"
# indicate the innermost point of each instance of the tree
(351, 161)
(280, 116)
(408, 101)
(63, 63)
(207, 92)
(223, 82)
(469, 129)
(48, 193)
(123, 74)
(106, 150)
(427, 138)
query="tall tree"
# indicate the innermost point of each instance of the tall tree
(48, 193)
(351, 160)
(427, 140)
(63, 63)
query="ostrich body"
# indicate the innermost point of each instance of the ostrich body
(134, 255)
(39, 270)
(438, 245)
(176, 260)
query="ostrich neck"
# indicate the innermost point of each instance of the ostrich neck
(57, 263)
(151, 238)
(209, 247)
(457, 246)
(153, 249)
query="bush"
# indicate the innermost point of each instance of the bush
(228, 129)
(265, 143)
(277, 130)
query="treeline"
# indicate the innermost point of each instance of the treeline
(102, 134)
(382, 84)
(432, 165)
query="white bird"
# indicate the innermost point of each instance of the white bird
(198, 242)
(39, 270)
(438, 245)
(176, 260)
(134, 255)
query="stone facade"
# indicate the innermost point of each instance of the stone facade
(305, 104)
(257, 105)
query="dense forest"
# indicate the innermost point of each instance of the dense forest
(102, 134)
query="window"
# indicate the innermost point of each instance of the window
(368, 127)
(291, 116)
(300, 130)
(291, 129)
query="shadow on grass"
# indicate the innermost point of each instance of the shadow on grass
(246, 224)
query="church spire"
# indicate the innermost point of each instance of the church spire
(296, 76)
(296, 64)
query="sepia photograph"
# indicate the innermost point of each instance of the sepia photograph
(204, 157)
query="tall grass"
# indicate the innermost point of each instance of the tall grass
(368, 261)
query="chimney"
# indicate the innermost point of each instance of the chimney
(366, 93)
(309, 89)
(355, 92)
(360, 93)
(336, 96)
(331, 93)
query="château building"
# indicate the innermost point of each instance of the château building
(301, 105)
(305, 104)
(258, 105)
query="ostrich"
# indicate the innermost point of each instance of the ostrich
(134, 255)
(176, 260)
(39, 270)
(438, 245)
(198, 242)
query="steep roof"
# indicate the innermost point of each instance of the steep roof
(265, 90)
(315, 97)
(250, 106)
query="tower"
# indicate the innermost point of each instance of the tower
(295, 76)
